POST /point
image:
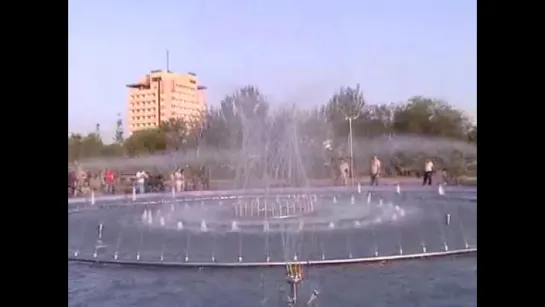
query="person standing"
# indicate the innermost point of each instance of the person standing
(72, 183)
(179, 180)
(428, 172)
(81, 179)
(344, 170)
(95, 182)
(375, 170)
(109, 181)
(141, 177)
(205, 178)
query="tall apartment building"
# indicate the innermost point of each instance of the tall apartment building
(162, 95)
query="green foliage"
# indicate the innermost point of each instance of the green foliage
(347, 102)
(146, 141)
(222, 128)
(430, 117)
(119, 137)
(472, 134)
(80, 147)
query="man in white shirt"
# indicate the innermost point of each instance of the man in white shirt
(178, 179)
(375, 170)
(141, 177)
(428, 172)
(344, 170)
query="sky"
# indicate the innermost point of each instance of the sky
(296, 52)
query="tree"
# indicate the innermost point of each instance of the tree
(243, 107)
(84, 147)
(472, 134)
(375, 120)
(113, 150)
(97, 130)
(431, 117)
(314, 127)
(146, 142)
(74, 146)
(247, 102)
(347, 102)
(216, 133)
(176, 132)
(244, 116)
(119, 132)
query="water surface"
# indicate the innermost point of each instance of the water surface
(431, 283)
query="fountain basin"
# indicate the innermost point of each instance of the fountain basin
(200, 229)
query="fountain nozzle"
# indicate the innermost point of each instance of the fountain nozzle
(294, 275)
(313, 297)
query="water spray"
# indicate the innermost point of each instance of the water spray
(100, 230)
(145, 216)
(99, 243)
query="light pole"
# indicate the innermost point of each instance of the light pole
(350, 118)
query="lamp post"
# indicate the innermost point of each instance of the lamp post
(350, 119)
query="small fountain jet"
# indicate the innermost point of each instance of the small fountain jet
(100, 244)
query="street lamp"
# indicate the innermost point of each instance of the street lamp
(350, 119)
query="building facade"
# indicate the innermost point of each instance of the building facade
(163, 95)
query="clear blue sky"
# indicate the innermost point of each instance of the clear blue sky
(297, 51)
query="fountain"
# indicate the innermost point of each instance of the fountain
(274, 219)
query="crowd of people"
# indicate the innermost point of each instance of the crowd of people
(108, 181)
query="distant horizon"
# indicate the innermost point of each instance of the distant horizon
(393, 49)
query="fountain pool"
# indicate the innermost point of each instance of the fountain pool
(274, 227)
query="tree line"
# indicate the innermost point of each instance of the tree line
(222, 126)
